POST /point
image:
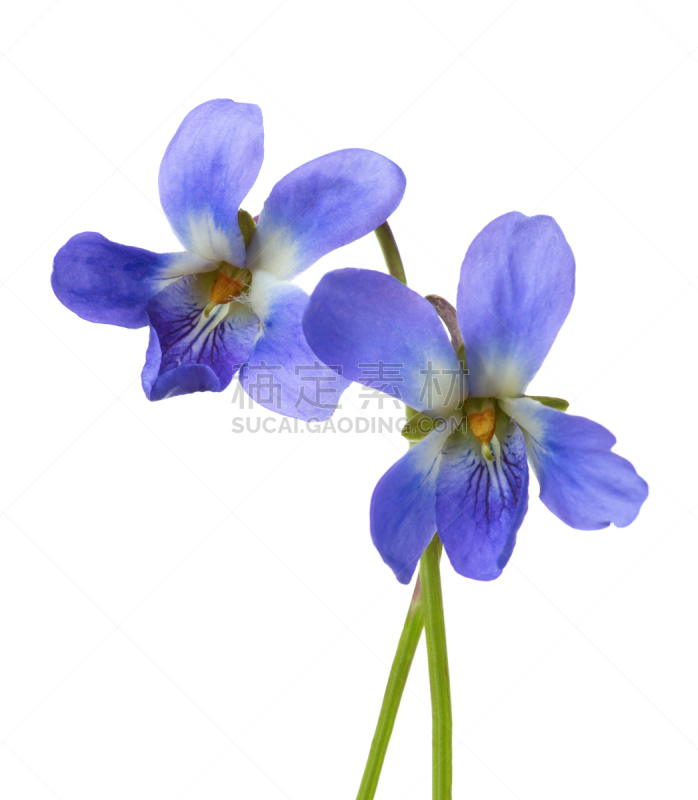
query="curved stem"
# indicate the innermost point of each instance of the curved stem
(450, 319)
(435, 633)
(393, 261)
(390, 252)
(409, 639)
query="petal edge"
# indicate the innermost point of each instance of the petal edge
(102, 281)
(515, 291)
(403, 507)
(581, 481)
(322, 205)
(209, 166)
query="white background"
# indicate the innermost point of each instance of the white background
(192, 614)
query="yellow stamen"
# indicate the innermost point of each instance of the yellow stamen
(229, 284)
(225, 289)
(482, 424)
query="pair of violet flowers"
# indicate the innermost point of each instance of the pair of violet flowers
(227, 305)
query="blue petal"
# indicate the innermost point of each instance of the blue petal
(403, 507)
(208, 168)
(386, 336)
(516, 288)
(102, 281)
(480, 504)
(581, 480)
(283, 373)
(189, 352)
(326, 203)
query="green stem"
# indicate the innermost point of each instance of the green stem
(393, 261)
(409, 639)
(435, 633)
(390, 252)
(426, 611)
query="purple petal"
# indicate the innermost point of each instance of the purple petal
(516, 289)
(326, 203)
(208, 168)
(189, 352)
(386, 336)
(102, 281)
(581, 480)
(283, 373)
(403, 507)
(480, 504)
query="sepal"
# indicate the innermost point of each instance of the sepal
(552, 402)
(247, 225)
(420, 426)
